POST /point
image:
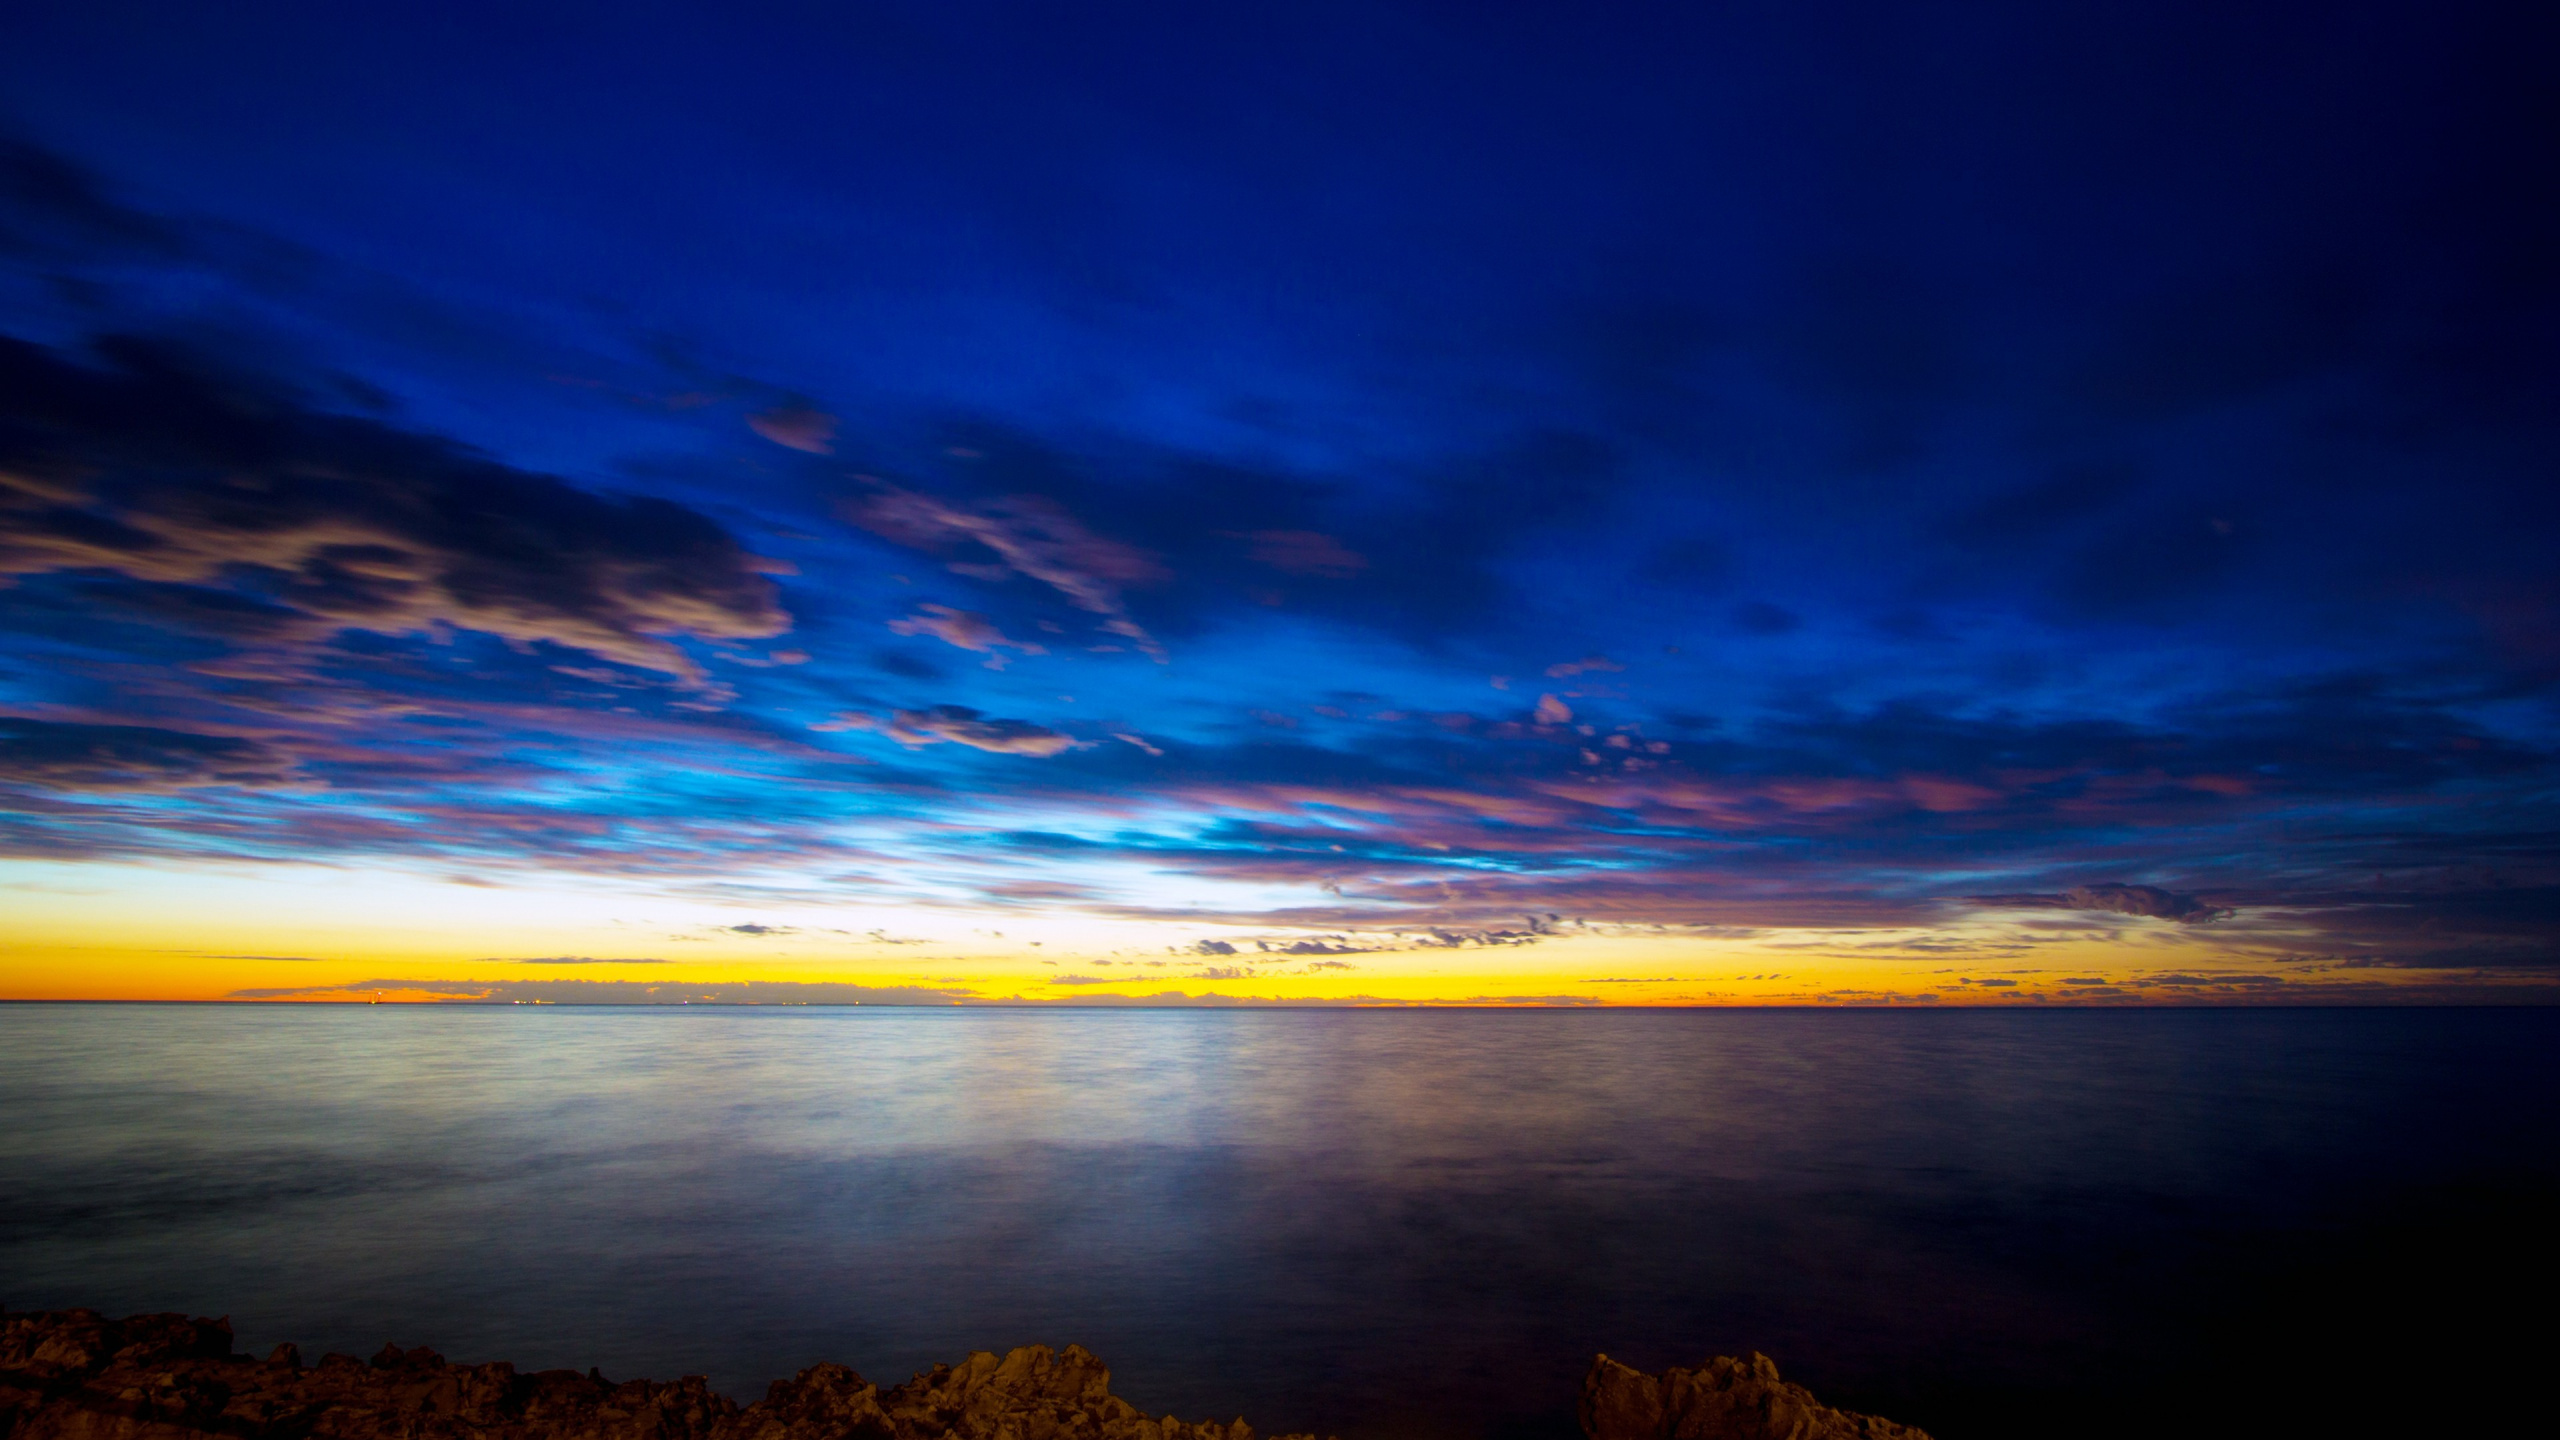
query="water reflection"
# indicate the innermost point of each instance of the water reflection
(1372, 1223)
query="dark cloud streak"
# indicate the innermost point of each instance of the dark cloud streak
(153, 465)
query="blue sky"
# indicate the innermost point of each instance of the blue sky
(1349, 476)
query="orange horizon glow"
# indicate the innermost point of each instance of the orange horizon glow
(317, 934)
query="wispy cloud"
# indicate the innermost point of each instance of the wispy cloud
(1305, 552)
(966, 629)
(797, 425)
(960, 725)
(1023, 535)
(153, 466)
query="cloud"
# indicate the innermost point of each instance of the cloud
(150, 466)
(622, 992)
(51, 207)
(1438, 544)
(2511, 927)
(1552, 711)
(2144, 900)
(1024, 535)
(960, 725)
(84, 756)
(1535, 928)
(573, 960)
(755, 929)
(1305, 552)
(797, 425)
(1212, 1000)
(966, 629)
(1586, 663)
(1214, 947)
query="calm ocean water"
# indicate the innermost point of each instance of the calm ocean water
(1375, 1224)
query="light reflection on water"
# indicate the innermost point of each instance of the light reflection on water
(1373, 1223)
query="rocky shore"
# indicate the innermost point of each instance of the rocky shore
(76, 1375)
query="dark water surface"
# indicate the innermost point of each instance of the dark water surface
(1370, 1223)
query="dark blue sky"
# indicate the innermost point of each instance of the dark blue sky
(1369, 472)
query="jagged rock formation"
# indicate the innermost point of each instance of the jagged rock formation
(75, 1375)
(1722, 1399)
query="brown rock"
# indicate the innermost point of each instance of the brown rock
(1720, 1399)
(76, 1375)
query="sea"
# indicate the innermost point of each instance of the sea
(1368, 1224)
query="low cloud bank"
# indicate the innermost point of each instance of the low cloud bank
(620, 992)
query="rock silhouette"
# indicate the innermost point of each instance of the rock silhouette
(76, 1375)
(1721, 1399)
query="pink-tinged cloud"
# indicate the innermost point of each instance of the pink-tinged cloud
(1769, 801)
(1943, 796)
(358, 566)
(82, 756)
(797, 425)
(1586, 663)
(344, 524)
(1552, 711)
(1030, 536)
(966, 629)
(959, 725)
(1305, 552)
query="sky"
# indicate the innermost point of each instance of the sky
(1368, 504)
